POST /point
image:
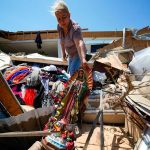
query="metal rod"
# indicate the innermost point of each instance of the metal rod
(91, 131)
(101, 122)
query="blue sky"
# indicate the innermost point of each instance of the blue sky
(96, 15)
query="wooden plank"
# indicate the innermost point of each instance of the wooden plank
(131, 126)
(46, 60)
(130, 42)
(109, 116)
(8, 99)
(141, 103)
(33, 120)
(144, 30)
(25, 134)
(54, 35)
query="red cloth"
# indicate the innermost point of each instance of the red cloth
(69, 145)
(29, 96)
(71, 135)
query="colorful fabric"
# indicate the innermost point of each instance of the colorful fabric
(14, 89)
(18, 76)
(68, 108)
(29, 97)
(14, 71)
(73, 97)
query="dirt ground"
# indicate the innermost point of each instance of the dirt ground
(115, 138)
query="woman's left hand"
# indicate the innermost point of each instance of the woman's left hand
(84, 63)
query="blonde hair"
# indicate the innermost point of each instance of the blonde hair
(58, 6)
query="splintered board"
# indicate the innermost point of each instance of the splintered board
(111, 72)
(8, 99)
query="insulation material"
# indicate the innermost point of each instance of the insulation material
(140, 63)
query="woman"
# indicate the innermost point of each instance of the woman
(71, 39)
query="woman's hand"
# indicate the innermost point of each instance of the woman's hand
(84, 63)
(64, 58)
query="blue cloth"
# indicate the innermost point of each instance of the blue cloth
(74, 64)
(18, 73)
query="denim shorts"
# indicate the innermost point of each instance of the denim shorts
(74, 64)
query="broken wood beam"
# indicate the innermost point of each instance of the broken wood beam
(25, 134)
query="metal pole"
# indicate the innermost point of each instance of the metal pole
(101, 122)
